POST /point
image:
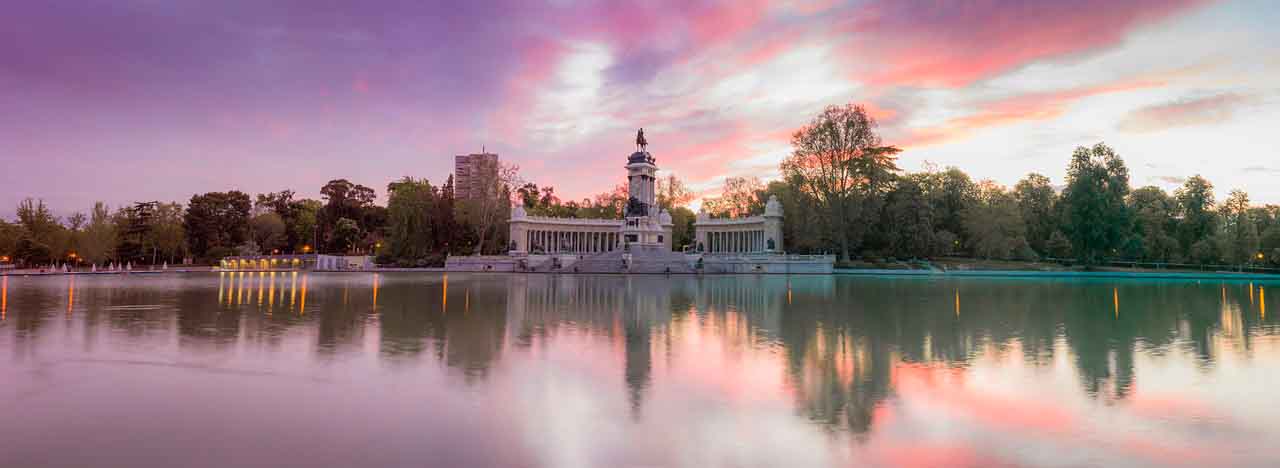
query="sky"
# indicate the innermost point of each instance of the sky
(123, 101)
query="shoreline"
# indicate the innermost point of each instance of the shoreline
(864, 272)
(1188, 275)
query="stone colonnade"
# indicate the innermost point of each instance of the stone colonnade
(735, 241)
(569, 239)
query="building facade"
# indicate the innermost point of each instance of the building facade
(469, 173)
(296, 262)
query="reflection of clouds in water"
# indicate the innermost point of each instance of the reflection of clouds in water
(565, 417)
(571, 418)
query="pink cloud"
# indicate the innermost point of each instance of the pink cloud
(1020, 108)
(953, 44)
(1185, 112)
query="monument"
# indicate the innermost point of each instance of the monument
(641, 241)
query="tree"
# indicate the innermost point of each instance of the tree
(672, 192)
(9, 235)
(48, 239)
(1153, 215)
(1059, 246)
(994, 224)
(344, 199)
(682, 219)
(98, 240)
(1240, 233)
(268, 231)
(908, 220)
(445, 221)
(839, 161)
(1098, 220)
(1196, 208)
(1269, 242)
(1036, 198)
(490, 203)
(345, 234)
(134, 233)
(167, 236)
(30, 251)
(283, 204)
(949, 192)
(304, 225)
(279, 202)
(740, 198)
(36, 219)
(611, 204)
(216, 222)
(410, 209)
(529, 195)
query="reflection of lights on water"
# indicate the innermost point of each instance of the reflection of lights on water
(1251, 293)
(1115, 298)
(375, 292)
(222, 276)
(71, 294)
(957, 302)
(293, 289)
(1262, 301)
(302, 306)
(4, 296)
(466, 300)
(260, 278)
(271, 293)
(444, 295)
(240, 290)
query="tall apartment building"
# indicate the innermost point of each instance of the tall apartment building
(467, 169)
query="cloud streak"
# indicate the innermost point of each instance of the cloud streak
(1187, 112)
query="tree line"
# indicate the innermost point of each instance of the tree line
(841, 191)
(420, 225)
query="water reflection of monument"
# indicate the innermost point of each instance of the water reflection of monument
(644, 313)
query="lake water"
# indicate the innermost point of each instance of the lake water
(316, 369)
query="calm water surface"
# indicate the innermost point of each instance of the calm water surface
(315, 370)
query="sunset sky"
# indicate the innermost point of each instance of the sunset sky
(140, 100)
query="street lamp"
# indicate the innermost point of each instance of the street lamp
(306, 249)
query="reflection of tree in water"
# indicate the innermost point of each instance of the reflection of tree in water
(842, 351)
(463, 323)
